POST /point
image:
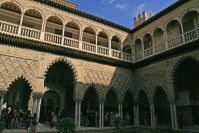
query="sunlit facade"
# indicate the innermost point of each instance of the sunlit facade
(55, 57)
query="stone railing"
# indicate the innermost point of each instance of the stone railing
(30, 33)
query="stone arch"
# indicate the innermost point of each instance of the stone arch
(163, 89)
(55, 15)
(187, 11)
(114, 91)
(178, 62)
(138, 93)
(20, 77)
(12, 2)
(96, 90)
(118, 36)
(127, 91)
(169, 21)
(37, 9)
(17, 76)
(91, 27)
(146, 45)
(185, 85)
(75, 22)
(106, 32)
(68, 63)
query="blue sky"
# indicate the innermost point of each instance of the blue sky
(121, 11)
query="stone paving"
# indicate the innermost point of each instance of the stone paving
(40, 129)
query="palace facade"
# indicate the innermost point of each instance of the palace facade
(55, 57)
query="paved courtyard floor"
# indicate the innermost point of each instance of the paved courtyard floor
(40, 129)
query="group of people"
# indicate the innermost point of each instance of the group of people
(90, 118)
(16, 119)
(53, 118)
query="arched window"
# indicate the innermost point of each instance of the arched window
(115, 43)
(138, 49)
(72, 30)
(10, 12)
(190, 23)
(54, 25)
(159, 42)
(89, 35)
(32, 19)
(147, 40)
(174, 32)
(102, 39)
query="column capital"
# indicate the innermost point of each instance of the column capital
(37, 95)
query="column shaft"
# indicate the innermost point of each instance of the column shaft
(172, 116)
(175, 115)
(38, 108)
(100, 115)
(76, 113)
(80, 39)
(79, 114)
(20, 24)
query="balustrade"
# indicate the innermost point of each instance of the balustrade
(173, 42)
(30, 33)
(89, 47)
(102, 50)
(191, 35)
(159, 48)
(14, 29)
(139, 56)
(127, 56)
(116, 54)
(71, 42)
(9, 27)
(148, 52)
(49, 37)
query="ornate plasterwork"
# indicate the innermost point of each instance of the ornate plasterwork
(12, 68)
(103, 81)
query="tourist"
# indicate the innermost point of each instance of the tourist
(34, 122)
(28, 119)
(54, 119)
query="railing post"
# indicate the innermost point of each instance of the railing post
(183, 38)
(80, 38)
(63, 32)
(21, 22)
(43, 30)
(109, 48)
(96, 39)
(166, 40)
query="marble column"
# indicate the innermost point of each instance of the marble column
(76, 113)
(80, 38)
(100, 115)
(109, 47)
(34, 106)
(172, 116)
(79, 114)
(21, 22)
(152, 114)
(136, 115)
(38, 107)
(120, 110)
(175, 115)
